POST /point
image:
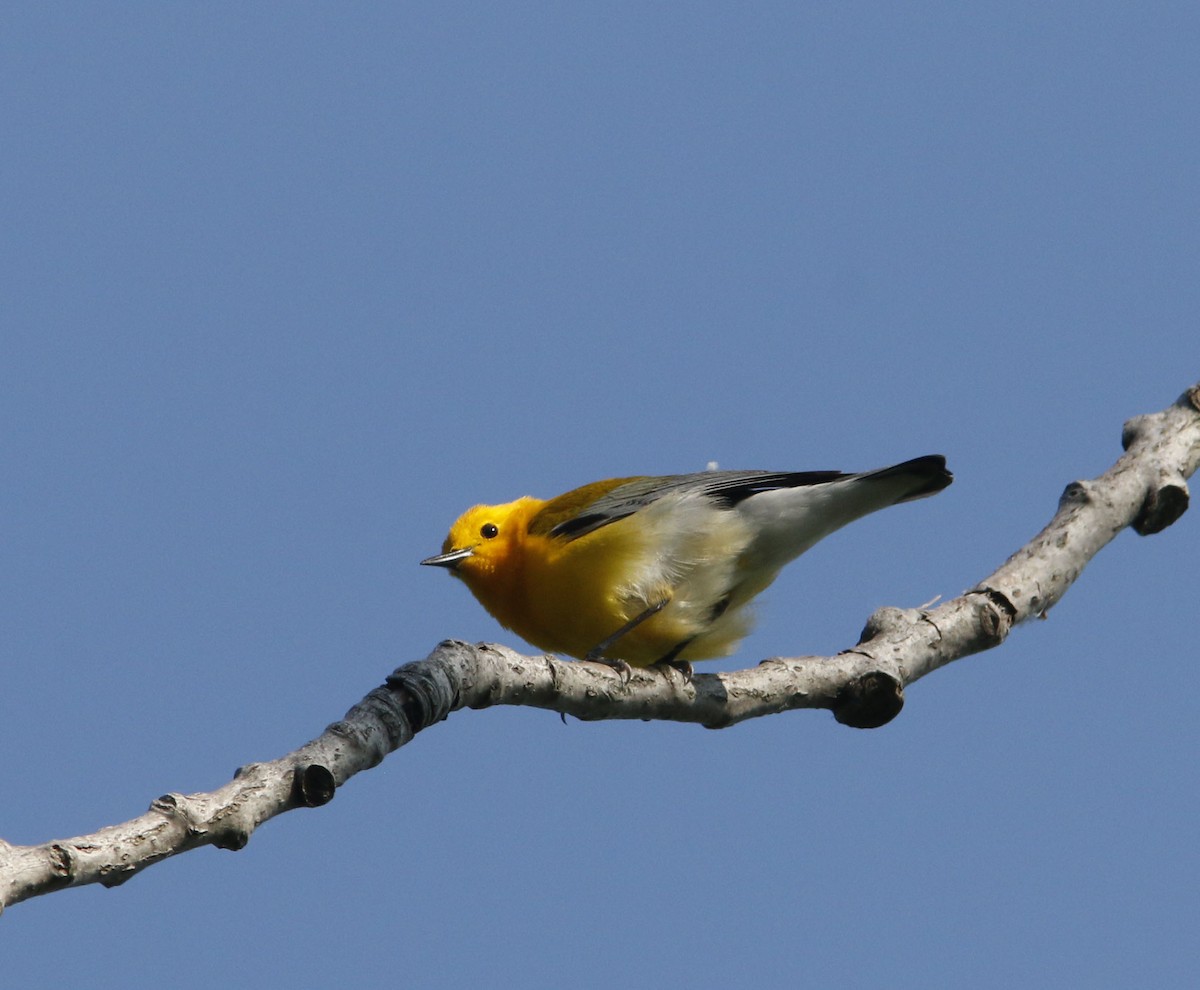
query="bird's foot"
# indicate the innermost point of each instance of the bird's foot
(683, 666)
(596, 653)
(624, 671)
(671, 659)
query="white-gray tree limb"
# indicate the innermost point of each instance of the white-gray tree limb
(1146, 489)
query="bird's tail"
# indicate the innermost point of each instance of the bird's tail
(918, 478)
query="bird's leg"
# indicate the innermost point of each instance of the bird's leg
(671, 658)
(596, 653)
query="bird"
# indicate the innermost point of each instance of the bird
(637, 571)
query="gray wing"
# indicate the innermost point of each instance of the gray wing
(725, 488)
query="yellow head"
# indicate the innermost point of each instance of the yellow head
(484, 542)
(485, 549)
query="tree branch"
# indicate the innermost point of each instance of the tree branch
(863, 686)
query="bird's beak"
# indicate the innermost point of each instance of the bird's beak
(450, 560)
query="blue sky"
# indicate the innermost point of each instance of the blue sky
(287, 287)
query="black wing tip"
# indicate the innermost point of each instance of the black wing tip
(579, 525)
(929, 474)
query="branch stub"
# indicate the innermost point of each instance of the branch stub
(869, 701)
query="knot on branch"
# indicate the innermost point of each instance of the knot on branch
(61, 864)
(869, 700)
(1133, 430)
(313, 785)
(1076, 493)
(996, 618)
(1191, 397)
(196, 820)
(1163, 505)
(888, 621)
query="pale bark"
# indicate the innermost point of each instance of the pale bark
(1146, 489)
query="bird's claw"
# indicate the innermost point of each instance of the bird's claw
(624, 671)
(683, 666)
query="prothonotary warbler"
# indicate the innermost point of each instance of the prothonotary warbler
(648, 570)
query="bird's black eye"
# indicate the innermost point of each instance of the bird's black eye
(489, 531)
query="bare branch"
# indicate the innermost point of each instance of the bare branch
(864, 686)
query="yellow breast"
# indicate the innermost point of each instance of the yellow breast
(566, 596)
